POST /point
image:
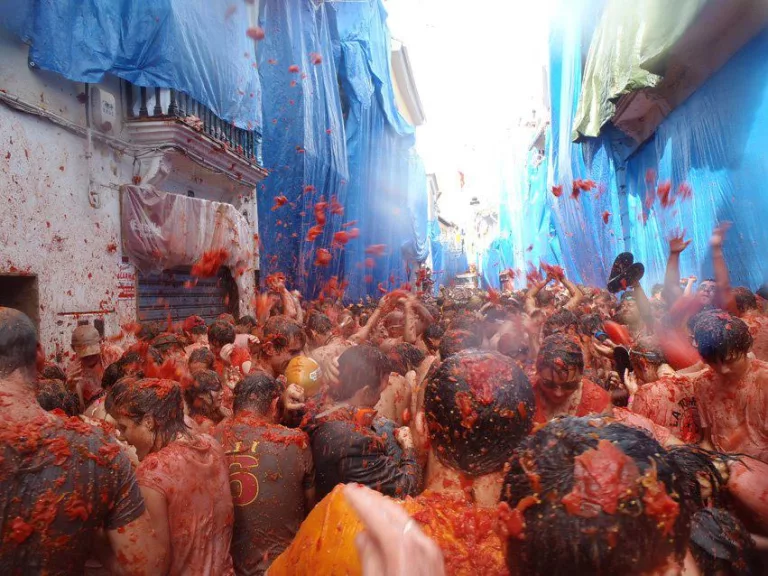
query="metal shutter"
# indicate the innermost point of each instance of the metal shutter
(161, 294)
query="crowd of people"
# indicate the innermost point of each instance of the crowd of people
(556, 429)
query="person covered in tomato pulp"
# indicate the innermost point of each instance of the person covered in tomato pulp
(560, 386)
(183, 476)
(63, 482)
(471, 416)
(271, 474)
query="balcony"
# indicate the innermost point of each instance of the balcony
(167, 119)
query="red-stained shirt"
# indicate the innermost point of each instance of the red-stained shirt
(671, 402)
(594, 400)
(193, 477)
(758, 328)
(736, 414)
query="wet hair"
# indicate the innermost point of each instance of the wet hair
(148, 331)
(720, 335)
(721, 544)
(433, 332)
(154, 397)
(319, 323)
(454, 341)
(693, 320)
(359, 367)
(202, 355)
(560, 353)
(53, 395)
(479, 405)
(247, 321)
(203, 382)
(560, 321)
(281, 331)
(648, 352)
(257, 392)
(53, 372)
(405, 357)
(745, 299)
(591, 324)
(228, 318)
(630, 523)
(221, 333)
(18, 342)
(657, 289)
(112, 374)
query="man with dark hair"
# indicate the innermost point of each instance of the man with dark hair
(318, 330)
(477, 408)
(405, 357)
(270, 471)
(201, 359)
(61, 481)
(283, 338)
(750, 313)
(454, 341)
(196, 334)
(732, 397)
(349, 443)
(561, 322)
(560, 386)
(432, 337)
(624, 502)
(53, 395)
(183, 476)
(202, 396)
(170, 347)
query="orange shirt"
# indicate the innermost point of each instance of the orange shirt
(465, 533)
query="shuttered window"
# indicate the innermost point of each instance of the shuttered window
(181, 295)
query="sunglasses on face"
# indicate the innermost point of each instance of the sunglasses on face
(567, 386)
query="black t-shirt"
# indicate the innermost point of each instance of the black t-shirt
(270, 470)
(61, 480)
(349, 445)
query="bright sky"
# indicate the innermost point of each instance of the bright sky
(479, 69)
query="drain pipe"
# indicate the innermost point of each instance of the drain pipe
(94, 196)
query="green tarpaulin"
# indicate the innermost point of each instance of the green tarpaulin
(631, 41)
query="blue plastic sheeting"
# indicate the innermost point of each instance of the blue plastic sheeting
(588, 244)
(716, 143)
(304, 141)
(387, 194)
(446, 264)
(193, 47)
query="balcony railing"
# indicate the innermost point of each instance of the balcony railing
(165, 104)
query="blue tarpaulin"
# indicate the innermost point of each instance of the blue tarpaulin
(713, 142)
(387, 194)
(304, 142)
(199, 48)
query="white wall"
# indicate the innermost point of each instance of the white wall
(47, 226)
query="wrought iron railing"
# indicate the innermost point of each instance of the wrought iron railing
(162, 103)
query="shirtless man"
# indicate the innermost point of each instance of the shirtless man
(732, 396)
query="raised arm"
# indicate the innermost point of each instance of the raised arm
(530, 297)
(723, 295)
(576, 294)
(672, 289)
